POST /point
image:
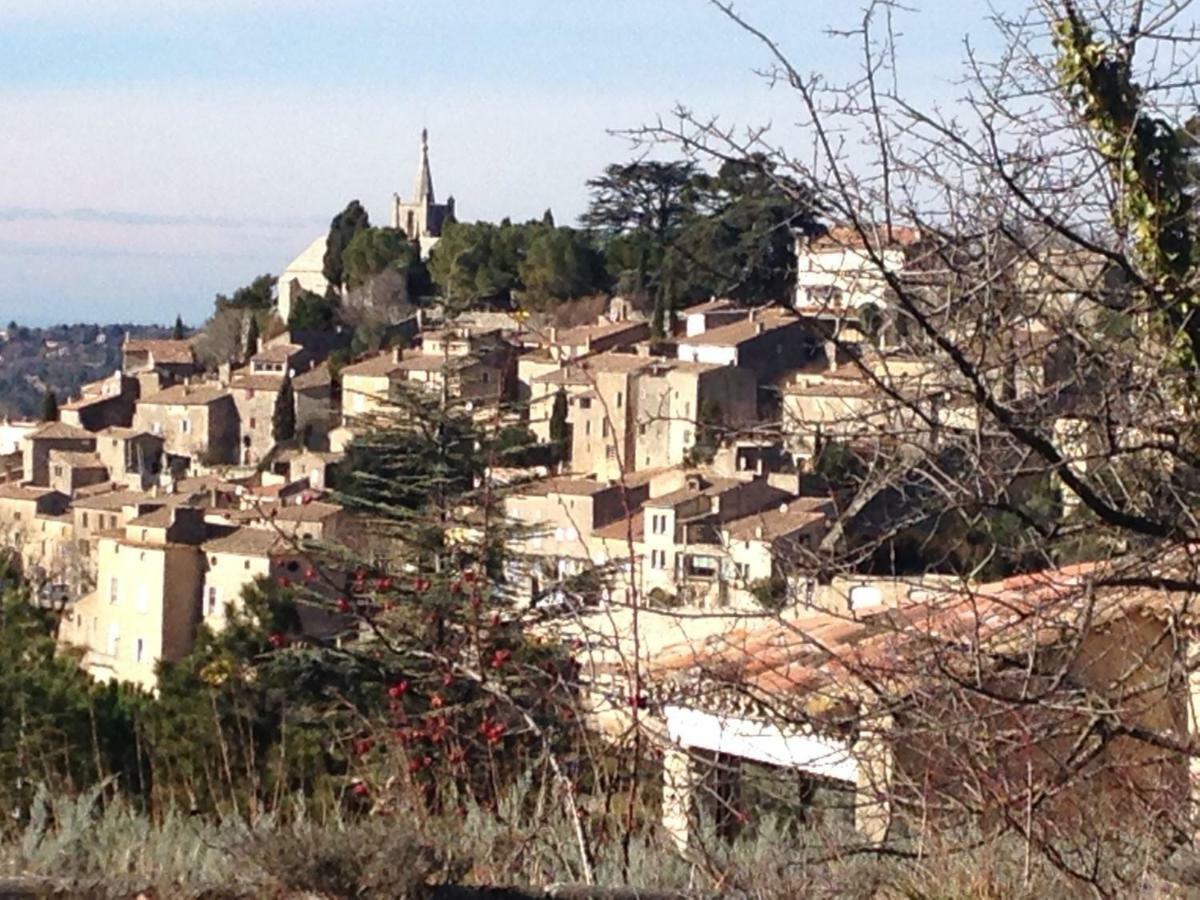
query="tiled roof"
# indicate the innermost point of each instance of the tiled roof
(157, 518)
(277, 353)
(77, 459)
(109, 500)
(13, 491)
(186, 395)
(877, 235)
(250, 542)
(59, 431)
(317, 377)
(381, 365)
(743, 330)
(316, 511)
(169, 352)
(244, 380)
(780, 521)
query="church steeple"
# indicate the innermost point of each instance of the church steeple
(423, 190)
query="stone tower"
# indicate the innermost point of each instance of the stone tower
(422, 217)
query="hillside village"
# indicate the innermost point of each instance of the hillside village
(684, 468)
(758, 525)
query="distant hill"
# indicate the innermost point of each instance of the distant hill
(61, 358)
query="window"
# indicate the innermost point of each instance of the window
(619, 398)
(156, 427)
(604, 430)
(211, 600)
(185, 426)
(658, 559)
(253, 423)
(85, 520)
(16, 517)
(610, 453)
(58, 470)
(114, 589)
(587, 429)
(138, 651)
(250, 396)
(641, 429)
(585, 402)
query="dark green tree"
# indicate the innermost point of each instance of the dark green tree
(283, 420)
(252, 335)
(342, 230)
(258, 294)
(478, 262)
(50, 407)
(559, 264)
(739, 242)
(178, 333)
(373, 250)
(312, 312)
(560, 429)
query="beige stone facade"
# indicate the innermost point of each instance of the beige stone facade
(196, 421)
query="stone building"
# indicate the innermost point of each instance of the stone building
(103, 404)
(38, 444)
(147, 602)
(72, 470)
(629, 412)
(133, 458)
(768, 342)
(199, 422)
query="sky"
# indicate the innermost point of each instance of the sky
(156, 152)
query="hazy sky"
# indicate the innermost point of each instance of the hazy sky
(154, 152)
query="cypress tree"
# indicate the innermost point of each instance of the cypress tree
(283, 422)
(50, 407)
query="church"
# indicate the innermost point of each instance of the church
(421, 218)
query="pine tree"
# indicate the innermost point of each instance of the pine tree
(50, 407)
(251, 346)
(178, 333)
(283, 422)
(444, 665)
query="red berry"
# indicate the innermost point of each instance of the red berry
(282, 581)
(436, 701)
(500, 657)
(363, 745)
(277, 640)
(468, 577)
(343, 605)
(360, 789)
(399, 689)
(495, 619)
(456, 587)
(384, 584)
(310, 574)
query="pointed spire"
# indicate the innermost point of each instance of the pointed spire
(423, 191)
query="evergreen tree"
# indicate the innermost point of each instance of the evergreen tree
(251, 346)
(444, 653)
(50, 407)
(283, 422)
(560, 430)
(178, 333)
(342, 230)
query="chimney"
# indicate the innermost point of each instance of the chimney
(758, 531)
(753, 315)
(759, 327)
(553, 335)
(397, 354)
